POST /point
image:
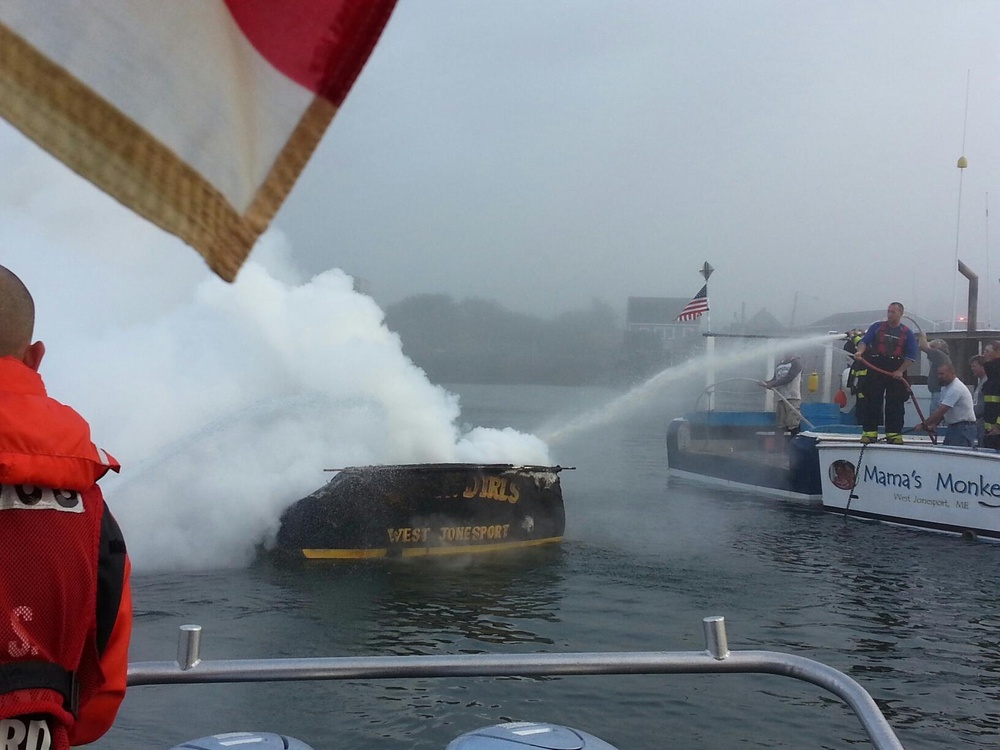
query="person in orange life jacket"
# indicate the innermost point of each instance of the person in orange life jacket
(787, 382)
(991, 396)
(891, 346)
(66, 585)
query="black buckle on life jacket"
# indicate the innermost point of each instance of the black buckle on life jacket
(28, 675)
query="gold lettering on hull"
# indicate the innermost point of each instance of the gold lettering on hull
(422, 535)
(474, 533)
(409, 535)
(493, 488)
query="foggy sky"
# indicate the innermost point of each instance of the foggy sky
(544, 154)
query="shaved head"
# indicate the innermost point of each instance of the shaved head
(17, 315)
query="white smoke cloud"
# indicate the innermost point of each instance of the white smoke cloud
(224, 403)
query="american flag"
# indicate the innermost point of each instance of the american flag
(696, 307)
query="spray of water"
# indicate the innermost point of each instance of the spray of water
(641, 395)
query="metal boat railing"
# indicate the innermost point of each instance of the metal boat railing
(715, 659)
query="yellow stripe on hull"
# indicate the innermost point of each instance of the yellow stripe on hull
(465, 549)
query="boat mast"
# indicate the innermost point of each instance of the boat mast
(989, 296)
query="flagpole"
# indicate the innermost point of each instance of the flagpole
(706, 271)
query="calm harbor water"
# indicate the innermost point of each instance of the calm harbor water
(912, 616)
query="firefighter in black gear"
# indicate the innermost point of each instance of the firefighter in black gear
(991, 396)
(889, 346)
(855, 378)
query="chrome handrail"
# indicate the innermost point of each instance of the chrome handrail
(715, 659)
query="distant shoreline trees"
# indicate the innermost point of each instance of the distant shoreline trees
(480, 341)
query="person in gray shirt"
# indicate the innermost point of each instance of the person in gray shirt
(956, 410)
(937, 354)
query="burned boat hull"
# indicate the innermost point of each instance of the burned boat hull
(426, 510)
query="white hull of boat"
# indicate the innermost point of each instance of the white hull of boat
(953, 490)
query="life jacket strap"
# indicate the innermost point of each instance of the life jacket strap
(34, 675)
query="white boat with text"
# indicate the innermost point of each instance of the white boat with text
(935, 487)
(919, 484)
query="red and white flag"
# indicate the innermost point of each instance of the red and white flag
(696, 307)
(199, 116)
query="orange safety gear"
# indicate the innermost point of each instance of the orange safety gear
(63, 669)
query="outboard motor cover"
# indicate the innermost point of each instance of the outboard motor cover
(244, 741)
(526, 734)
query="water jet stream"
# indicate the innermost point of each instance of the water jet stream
(629, 402)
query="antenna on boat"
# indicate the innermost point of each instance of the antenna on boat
(989, 296)
(962, 164)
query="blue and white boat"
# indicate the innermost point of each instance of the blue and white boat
(741, 450)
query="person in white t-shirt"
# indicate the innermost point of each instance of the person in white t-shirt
(787, 383)
(956, 410)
